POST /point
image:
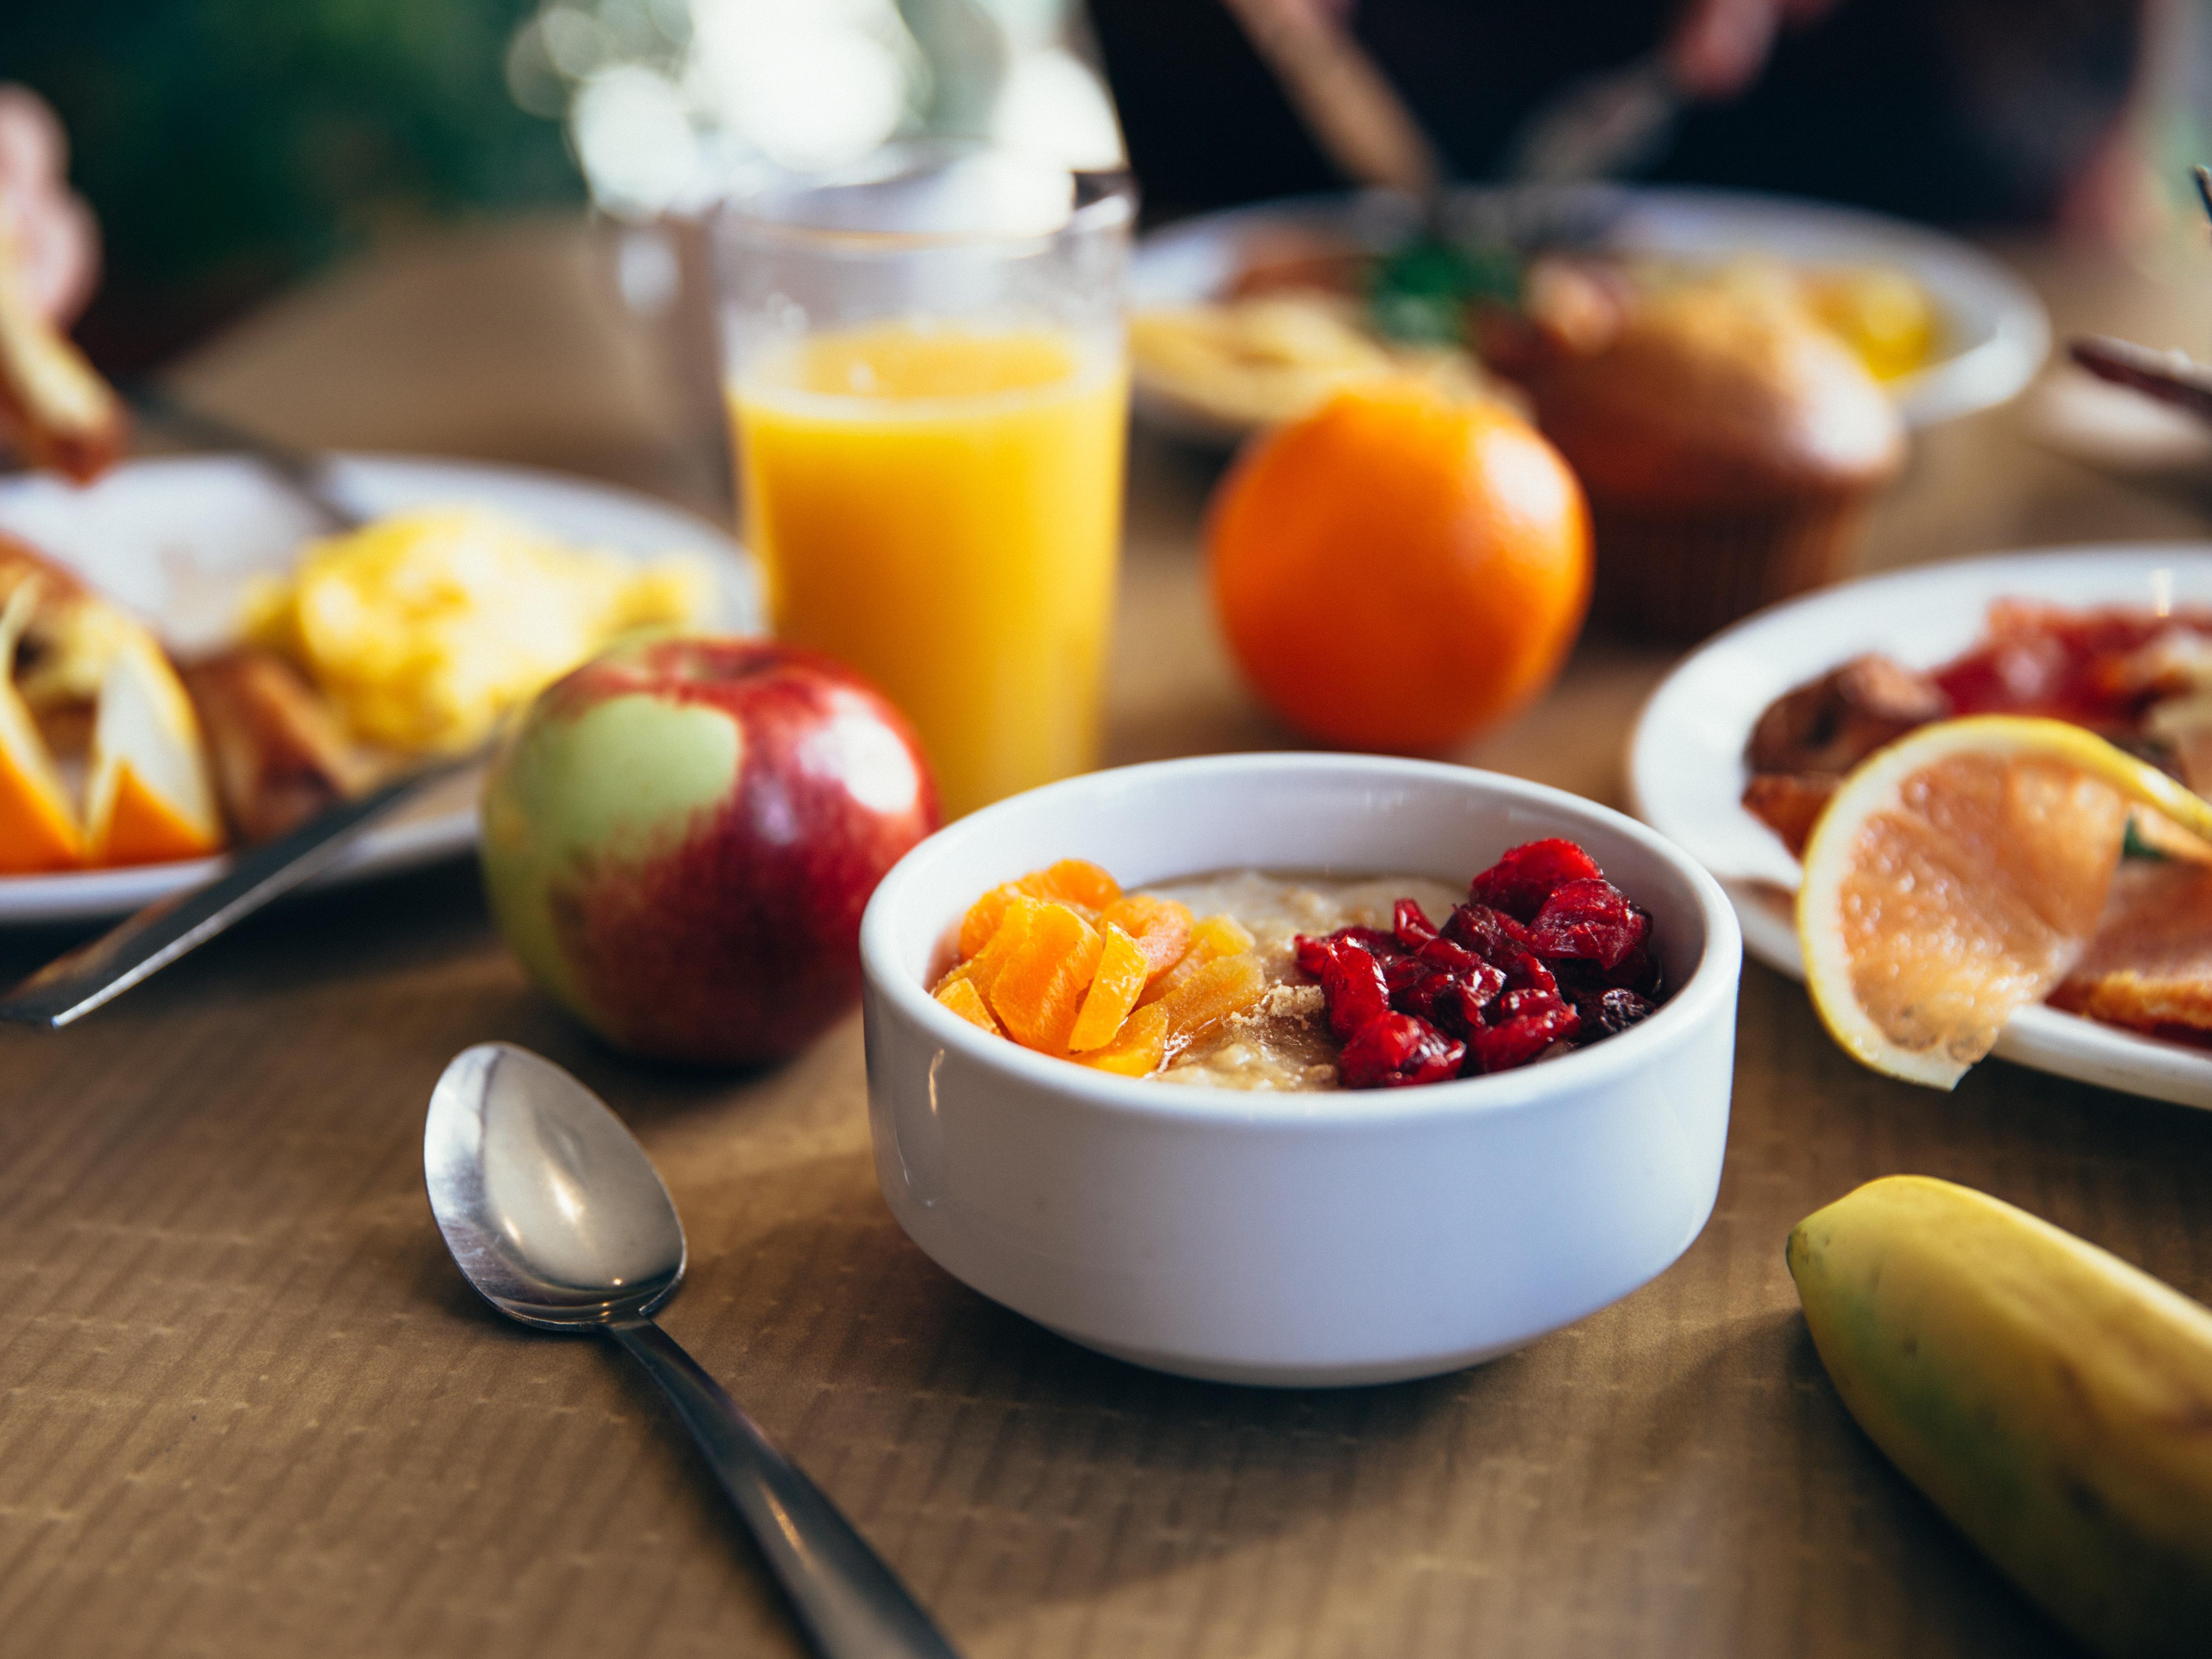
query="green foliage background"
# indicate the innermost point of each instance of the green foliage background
(230, 145)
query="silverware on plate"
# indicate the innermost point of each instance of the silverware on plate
(73, 985)
(557, 1218)
(2170, 377)
(305, 473)
(1606, 125)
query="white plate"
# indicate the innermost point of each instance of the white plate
(178, 539)
(1995, 331)
(1686, 770)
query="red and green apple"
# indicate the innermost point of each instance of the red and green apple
(680, 836)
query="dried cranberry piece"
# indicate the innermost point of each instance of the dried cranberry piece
(1490, 934)
(1312, 953)
(1373, 940)
(1518, 1040)
(1413, 928)
(1396, 1051)
(1456, 1006)
(1578, 979)
(1444, 985)
(1413, 985)
(1590, 919)
(1454, 959)
(1352, 984)
(1637, 971)
(1528, 973)
(1401, 973)
(1515, 1005)
(1611, 1012)
(1525, 875)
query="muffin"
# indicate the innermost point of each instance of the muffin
(1730, 444)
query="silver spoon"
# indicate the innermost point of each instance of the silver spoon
(555, 1214)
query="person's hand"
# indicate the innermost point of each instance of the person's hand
(1718, 46)
(57, 240)
(55, 409)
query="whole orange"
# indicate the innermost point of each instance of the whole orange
(1402, 568)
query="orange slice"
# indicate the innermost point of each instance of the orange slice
(38, 830)
(1955, 877)
(37, 834)
(151, 799)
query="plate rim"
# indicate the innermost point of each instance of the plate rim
(2039, 1037)
(1984, 376)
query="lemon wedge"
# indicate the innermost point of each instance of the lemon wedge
(1954, 878)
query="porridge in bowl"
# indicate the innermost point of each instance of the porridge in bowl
(1259, 981)
(1284, 1041)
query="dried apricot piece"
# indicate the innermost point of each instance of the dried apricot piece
(1136, 1048)
(1161, 926)
(962, 997)
(1210, 940)
(1012, 933)
(984, 917)
(1221, 936)
(1213, 991)
(1120, 980)
(1037, 991)
(1075, 881)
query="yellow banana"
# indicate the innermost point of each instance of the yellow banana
(2054, 1401)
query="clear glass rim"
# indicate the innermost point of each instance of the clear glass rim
(1110, 204)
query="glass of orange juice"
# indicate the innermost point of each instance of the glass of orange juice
(928, 395)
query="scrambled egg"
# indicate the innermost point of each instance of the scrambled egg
(424, 627)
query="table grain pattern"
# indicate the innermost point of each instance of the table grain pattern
(248, 1407)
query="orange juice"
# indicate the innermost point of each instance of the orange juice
(940, 508)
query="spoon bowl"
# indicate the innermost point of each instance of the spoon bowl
(555, 1215)
(548, 1203)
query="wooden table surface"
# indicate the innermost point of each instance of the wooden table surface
(248, 1407)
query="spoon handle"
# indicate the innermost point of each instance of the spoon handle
(847, 1599)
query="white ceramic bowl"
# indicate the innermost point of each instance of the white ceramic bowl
(1297, 1239)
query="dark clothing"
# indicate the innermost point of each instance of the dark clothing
(1956, 110)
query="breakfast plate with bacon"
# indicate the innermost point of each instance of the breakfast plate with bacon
(192, 662)
(1735, 754)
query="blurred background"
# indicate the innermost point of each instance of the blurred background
(229, 148)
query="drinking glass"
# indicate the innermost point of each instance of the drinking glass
(928, 392)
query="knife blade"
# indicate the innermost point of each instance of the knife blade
(95, 973)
